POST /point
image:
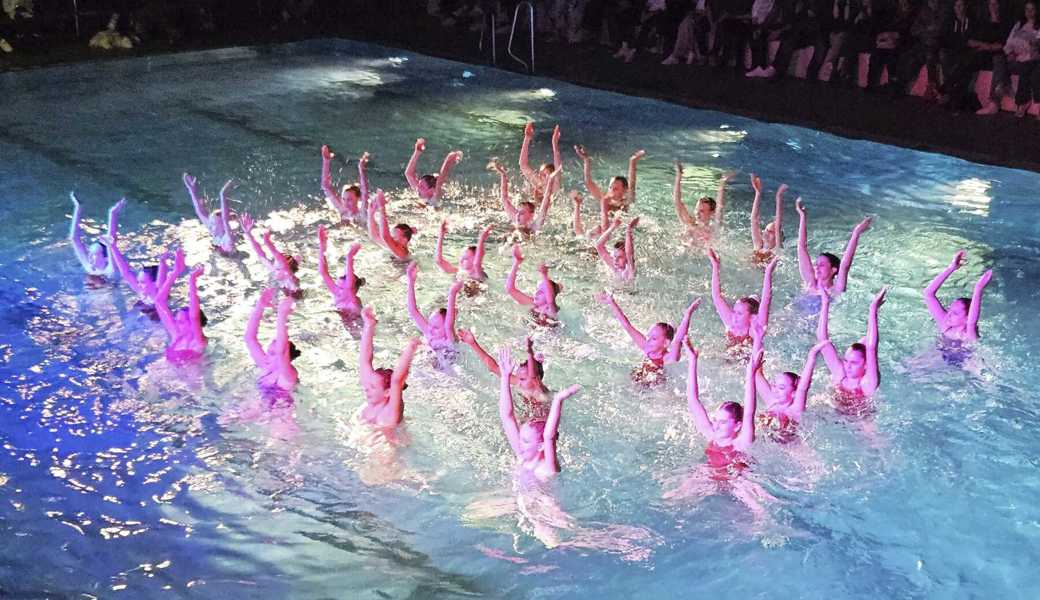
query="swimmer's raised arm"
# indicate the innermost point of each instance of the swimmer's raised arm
(466, 337)
(550, 289)
(256, 351)
(225, 214)
(162, 295)
(805, 263)
(637, 336)
(372, 223)
(721, 306)
(197, 201)
(590, 185)
(194, 306)
(75, 235)
(720, 196)
(413, 308)
(633, 162)
(850, 252)
(601, 244)
(693, 398)
(413, 162)
(872, 376)
(935, 307)
(746, 435)
(766, 299)
(400, 377)
(389, 242)
(323, 265)
(525, 154)
(680, 207)
(557, 155)
(276, 255)
(362, 168)
(444, 265)
(778, 216)
(630, 247)
(505, 401)
(478, 259)
(552, 425)
(366, 351)
(453, 312)
(681, 333)
(835, 364)
(331, 195)
(247, 232)
(507, 205)
(450, 160)
(579, 227)
(511, 288)
(547, 194)
(801, 393)
(122, 265)
(756, 229)
(976, 304)
(113, 218)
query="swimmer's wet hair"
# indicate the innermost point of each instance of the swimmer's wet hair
(294, 352)
(858, 347)
(752, 304)
(619, 245)
(735, 410)
(966, 301)
(203, 319)
(429, 179)
(526, 204)
(294, 265)
(388, 376)
(539, 370)
(621, 178)
(834, 260)
(548, 168)
(352, 188)
(406, 230)
(669, 331)
(792, 377)
(472, 249)
(709, 201)
(151, 271)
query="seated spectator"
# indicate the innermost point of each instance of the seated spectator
(691, 37)
(891, 42)
(835, 26)
(733, 30)
(968, 46)
(622, 19)
(862, 36)
(802, 31)
(1019, 57)
(923, 49)
(769, 21)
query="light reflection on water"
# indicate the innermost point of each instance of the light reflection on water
(122, 472)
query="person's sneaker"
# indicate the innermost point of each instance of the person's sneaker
(631, 54)
(768, 72)
(671, 60)
(5, 46)
(756, 72)
(989, 109)
(622, 51)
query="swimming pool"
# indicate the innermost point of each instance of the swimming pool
(120, 473)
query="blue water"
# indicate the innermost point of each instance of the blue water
(122, 474)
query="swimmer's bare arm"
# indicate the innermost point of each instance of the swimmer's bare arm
(507, 205)
(935, 307)
(630, 249)
(872, 377)
(225, 210)
(758, 334)
(525, 153)
(511, 289)
(505, 401)
(371, 222)
(976, 304)
(557, 155)
(365, 353)
(850, 252)
(478, 260)
(721, 306)
(413, 308)
(399, 378)
(75, 234)
(194, 305)
(601, 244)
(680, 207)
(444, 265)
(756, 230)
(453, 312)
(547, 194)
(835, 364)
(778, 216)
(766, 299)
(550, 291)
(805, 264)
(247, 232)
(162, 295)
(323, 265)
(391, 244)
(122, 265)
(362, 168)
(633, 162)
(693, 398)
(590, 185)
(637, 336)
(450, 160)
(276, 255)
(197, 201)
(720, 197)
(113, 218)
(801, 393)
(552, 425)
(681, 333)
(256, 351)
(579, 227)
(746, 436)
(331, 195)
(413, 162)
(466, 337)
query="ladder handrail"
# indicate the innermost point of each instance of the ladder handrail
(512, 33)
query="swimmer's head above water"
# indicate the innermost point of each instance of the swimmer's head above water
(727, 420)
(402, 233)
(827, 266)
(427, 186)
(618, 186)
(658, 340)
(855, 361)
(706, 209)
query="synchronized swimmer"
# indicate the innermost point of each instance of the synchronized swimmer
(730, 430)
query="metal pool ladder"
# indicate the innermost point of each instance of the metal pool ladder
(529, 67)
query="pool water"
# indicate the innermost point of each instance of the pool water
(122, 474)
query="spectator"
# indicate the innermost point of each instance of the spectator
(1019, 57)
(768, 23)
(963, 53)
(803, 30)
(733, 29)
(837, 18)
(862, 36)
(691, 37)
(622, 19)
(891, 41)
(924, 42)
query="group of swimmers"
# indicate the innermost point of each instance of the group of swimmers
(731, 429)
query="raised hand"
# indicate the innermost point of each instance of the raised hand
(529, 129)
(798, 206)
(693, 306)
(864, 224)
(119, 206)
(781, 190)
(505, 361)
(517, 257)
(984, 279)
(756, 183)
(638, 155)
(958, 260)
(197, 271)
(678, 168)
(728, 176)
(455, 287)
(354, 249)
(633, 223)
(466, 336)
(879, 299)
(556, 134)
(567, 393)
(364, 159)
(543, 270)
(420, 145)
(772, 266)
(576, 197)
(713, 257)
(246, 222)
(581, 152)
(605, 298)
(326, 154)
(190, 182)
(323, 236)
(453, 157)
(756, 360)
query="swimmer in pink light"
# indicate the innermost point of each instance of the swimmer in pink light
(730, 430)
(579, 225)
(395, 240)
(343, 289)
(767, 241)
(281, 267)
(429, 187)
(277, 373)
(742, 314)
(524, 217)
(856, 376)
(661, 345)
(621, 191)
(439, 328)
(218, 222)
(828, 275)
(471, 261)
(95, 260)
(534, 442)
(383, 388)
(351, 203)
(527, 377)
(145, 283)
(621, 259)
(708, 222)
(786, 396)
(543, 304)
(538, 180)
(187, 342)
(959, 323)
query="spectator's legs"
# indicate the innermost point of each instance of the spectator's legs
(1023, 94)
